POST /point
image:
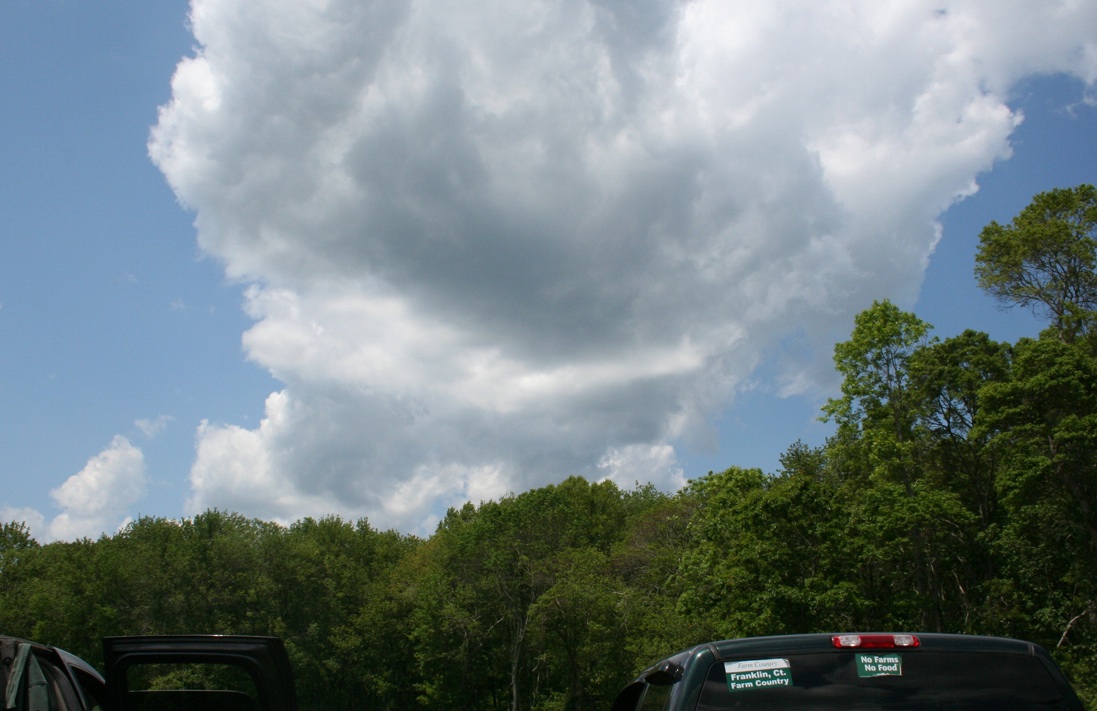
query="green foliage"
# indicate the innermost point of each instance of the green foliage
(1046, 259)
(520, 596)
(16, 544)
(874, 366)
(947, 379)
(766, 555)
(648, 559)
(1079, 664)
(1043, 421)
(15, 539)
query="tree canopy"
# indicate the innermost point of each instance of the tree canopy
(1046, 258)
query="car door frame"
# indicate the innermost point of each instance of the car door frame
(264, 658)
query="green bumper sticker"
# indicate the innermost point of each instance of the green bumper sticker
(757, 674)
(870, 665)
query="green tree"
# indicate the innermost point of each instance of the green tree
(1044, 425)
(60, 595)
(334, 601)
(648, 560)
(227, 583)
(486, 636)
(767, 555)
(576, 628)
(1046, 416)
(1046, 259)
(876, 408)
(15, 540)
(907, 406)
(17, 552)
(947, 380)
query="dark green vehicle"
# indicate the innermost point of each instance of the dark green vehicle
(850, 672)
(151, 673)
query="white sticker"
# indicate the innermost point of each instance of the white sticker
(757, 674)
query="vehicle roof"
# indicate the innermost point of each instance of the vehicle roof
(70, 660)
(687, 669)
(805, 643)
(817, 643)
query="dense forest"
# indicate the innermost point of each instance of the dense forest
(958, 493)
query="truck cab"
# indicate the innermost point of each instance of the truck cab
(847, 672)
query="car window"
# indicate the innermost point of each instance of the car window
(908, 680)
(95, 693)
(656, 698)
(182, 687)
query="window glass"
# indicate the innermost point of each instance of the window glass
(94, 693)
(199, 676)
(907, 680)
(656, 698)
(185, 686)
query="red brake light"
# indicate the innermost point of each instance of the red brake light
(875, 641)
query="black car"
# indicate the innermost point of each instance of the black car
(151, 673)
(848, 672)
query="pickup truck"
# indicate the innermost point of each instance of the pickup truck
(848, 672)
(151, 673)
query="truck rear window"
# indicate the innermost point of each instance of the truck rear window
(882, 680)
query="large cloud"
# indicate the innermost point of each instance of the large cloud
(492, 243)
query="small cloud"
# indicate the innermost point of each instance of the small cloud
(637, 463)
(151, 428)
(178, 305)
(96, 498)
(34, 520)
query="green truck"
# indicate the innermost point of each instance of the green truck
(850, 672)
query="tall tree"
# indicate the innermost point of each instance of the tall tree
(486, 634)
(947, 379)
(1044, 420)
(1046, 259)
(334, 601)
(15, 539)
(769, 554)
(912, 535)
(16, 546)
(648, 559)
(876, 406)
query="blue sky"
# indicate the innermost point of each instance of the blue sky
(110, 313)
(423, 276)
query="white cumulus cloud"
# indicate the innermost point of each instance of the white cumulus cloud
(95, 499)
(492, 244)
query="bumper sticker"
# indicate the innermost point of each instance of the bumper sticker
(757, 674)
(870, 665)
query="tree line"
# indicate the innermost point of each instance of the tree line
(958, 493)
